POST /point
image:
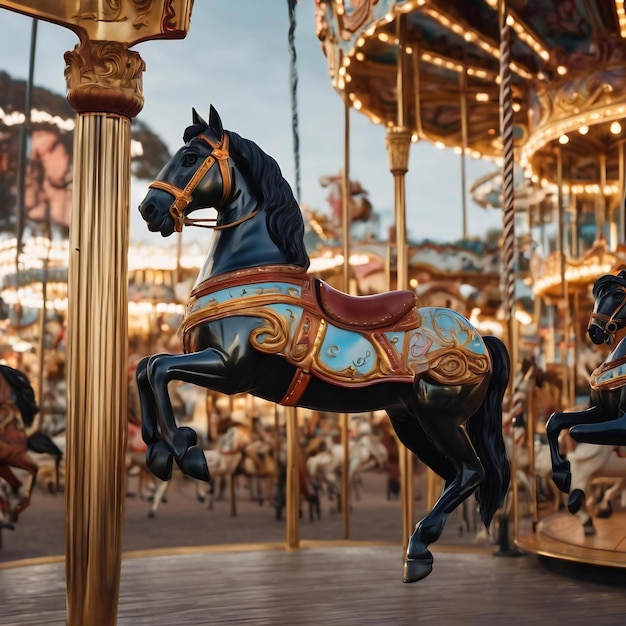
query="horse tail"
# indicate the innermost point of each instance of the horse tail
(485, 432)
(42, 444)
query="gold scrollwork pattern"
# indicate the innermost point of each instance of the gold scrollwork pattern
(457, 367)
(272, 336)
(104, 77)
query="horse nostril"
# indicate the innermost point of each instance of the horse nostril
(147, 211)
(596, 334)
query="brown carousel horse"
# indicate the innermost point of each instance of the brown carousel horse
(17, 411)
(258, 323)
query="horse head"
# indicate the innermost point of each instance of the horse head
(218, 169)
(198, 176)
(609, 309)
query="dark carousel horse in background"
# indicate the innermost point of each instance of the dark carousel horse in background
(257, 323)
(17, 412)
(604, 422)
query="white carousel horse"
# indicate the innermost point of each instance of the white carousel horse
(590, 461)
(366, 452)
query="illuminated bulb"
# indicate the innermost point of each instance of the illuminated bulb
(563, 139)
(583, 130)
(616, 128)
(561, 70)
(482, 97)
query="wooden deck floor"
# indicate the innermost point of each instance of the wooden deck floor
(334, 586)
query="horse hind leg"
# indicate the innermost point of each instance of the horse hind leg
(446, 446)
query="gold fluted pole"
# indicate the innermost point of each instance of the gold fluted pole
(104, 79)
(344, 418)
(292, 498)
(398, 140)
(97, 322)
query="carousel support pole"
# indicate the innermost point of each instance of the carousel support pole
(292, 505)
(621, 207)
(98, 325)
(464, 140)
(398, 140)
(104, 80)
(346, 223)
(508, 245)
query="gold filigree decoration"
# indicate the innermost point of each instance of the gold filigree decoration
(272, 336)
(457, 367)
(104, 76)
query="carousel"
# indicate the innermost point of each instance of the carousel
(540, 90)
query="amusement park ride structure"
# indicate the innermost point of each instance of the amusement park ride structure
(504, 80)
(538, 84)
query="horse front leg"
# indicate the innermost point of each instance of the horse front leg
(205, 369)
(558, 422)
(25, 462)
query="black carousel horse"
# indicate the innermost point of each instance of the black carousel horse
(257, 323)
(604, 422)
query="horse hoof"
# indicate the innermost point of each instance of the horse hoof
(562, 479)
(588, 528)
(193, 463)
(575, 501)
(151, 514)
(184, 439)
(605, 512)
(417, 568)
(159, 460)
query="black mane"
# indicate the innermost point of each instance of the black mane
(284, 218)
(24, 394)
(608, 281)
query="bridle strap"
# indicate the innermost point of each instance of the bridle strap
(182, 197)
(610, 324)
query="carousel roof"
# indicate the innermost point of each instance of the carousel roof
(568, 73)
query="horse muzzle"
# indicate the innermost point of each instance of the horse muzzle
(157, 222)
(599, 335)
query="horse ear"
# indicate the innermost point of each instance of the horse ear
(196, 119)
(215, 125)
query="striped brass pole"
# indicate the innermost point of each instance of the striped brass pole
(97, 325)
(104, 80)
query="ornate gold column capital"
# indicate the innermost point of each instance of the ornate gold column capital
(398, 142)
(126, 21)
(104, 77)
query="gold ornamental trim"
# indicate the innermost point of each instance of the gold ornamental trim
(124, 21)
(610, 383)
(104, 77)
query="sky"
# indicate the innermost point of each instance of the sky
(236, 57)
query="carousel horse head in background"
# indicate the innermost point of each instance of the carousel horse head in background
(605, 421)
(17, 412)
(256, 322)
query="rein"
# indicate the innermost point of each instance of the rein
(182, 197)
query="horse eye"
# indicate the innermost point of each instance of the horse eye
(190, 159)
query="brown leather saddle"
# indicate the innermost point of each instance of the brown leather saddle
(383, 310)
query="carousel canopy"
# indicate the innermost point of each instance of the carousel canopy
(568, 74)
